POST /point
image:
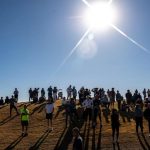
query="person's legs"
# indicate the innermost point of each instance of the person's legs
(113, 133)
(22, 129)
(117, 133)
(137, 124)
(10, 110)
(16, 110)
(141, 123)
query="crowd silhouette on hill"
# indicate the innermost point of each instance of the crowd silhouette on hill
(87, 107)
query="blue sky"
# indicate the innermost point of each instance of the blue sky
(36, 36)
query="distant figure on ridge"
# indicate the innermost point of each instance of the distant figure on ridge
(16, 93)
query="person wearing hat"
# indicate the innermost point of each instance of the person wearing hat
(147, 116)
(24, 120)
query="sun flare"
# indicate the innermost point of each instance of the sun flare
(100, 15)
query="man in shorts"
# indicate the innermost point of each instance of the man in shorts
(24, 120)
(49, 109)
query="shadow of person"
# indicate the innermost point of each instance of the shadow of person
(141, 142)
(40, 141)
(14, 143)
(118, 145)
(146, 142)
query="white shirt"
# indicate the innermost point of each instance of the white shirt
(88, 103)
(49, 108)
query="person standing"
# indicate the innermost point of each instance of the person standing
(78, 141)
(30, 94)
(138, 117)
(118, 99)
(147, 116)
(13, 105)
(115, 125)
(16, 93)
(24, 120)
(49, 109)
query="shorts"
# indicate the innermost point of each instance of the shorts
(24, 123)
(49, 116)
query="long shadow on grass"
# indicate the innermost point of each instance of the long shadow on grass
(14, 143)
(37, 108)
(60, 109)
(99, 139)
(7, 119)
(142, 144)
(60, 138)
(40, 141)
(93, 139)
(146, 141)
(3, 106)
(66, 140)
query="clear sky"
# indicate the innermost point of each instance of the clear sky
(36, 36)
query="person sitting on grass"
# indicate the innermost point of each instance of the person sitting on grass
(24, 120)
(49, 109)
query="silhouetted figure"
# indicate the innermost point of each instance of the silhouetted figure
(35, 95)
(16, 93)
(118, 99)
(1, 101)
(42, 92)
(55, 93)
(138, 117)
(144, 93)
(112, 97)
(115, 124)
(24, 120)
(147, 116)
(96, 111)
(128, 97)
(88, 105)
(69, 91)
(50, 92)
(78, 141)
(74, 93)
(7, 101)
(13, 105)
(30, 94)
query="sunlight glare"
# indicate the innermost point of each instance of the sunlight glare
(100, 15)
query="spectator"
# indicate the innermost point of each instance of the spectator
(49, 109)
(138, 118)
(1, 101)
(16, 93)
(30, 94)
(13, 105)
(147, 116)
(78, 141)
(50, 92)
(7, 101)
(115, 124)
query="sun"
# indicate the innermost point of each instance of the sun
(100, 15)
